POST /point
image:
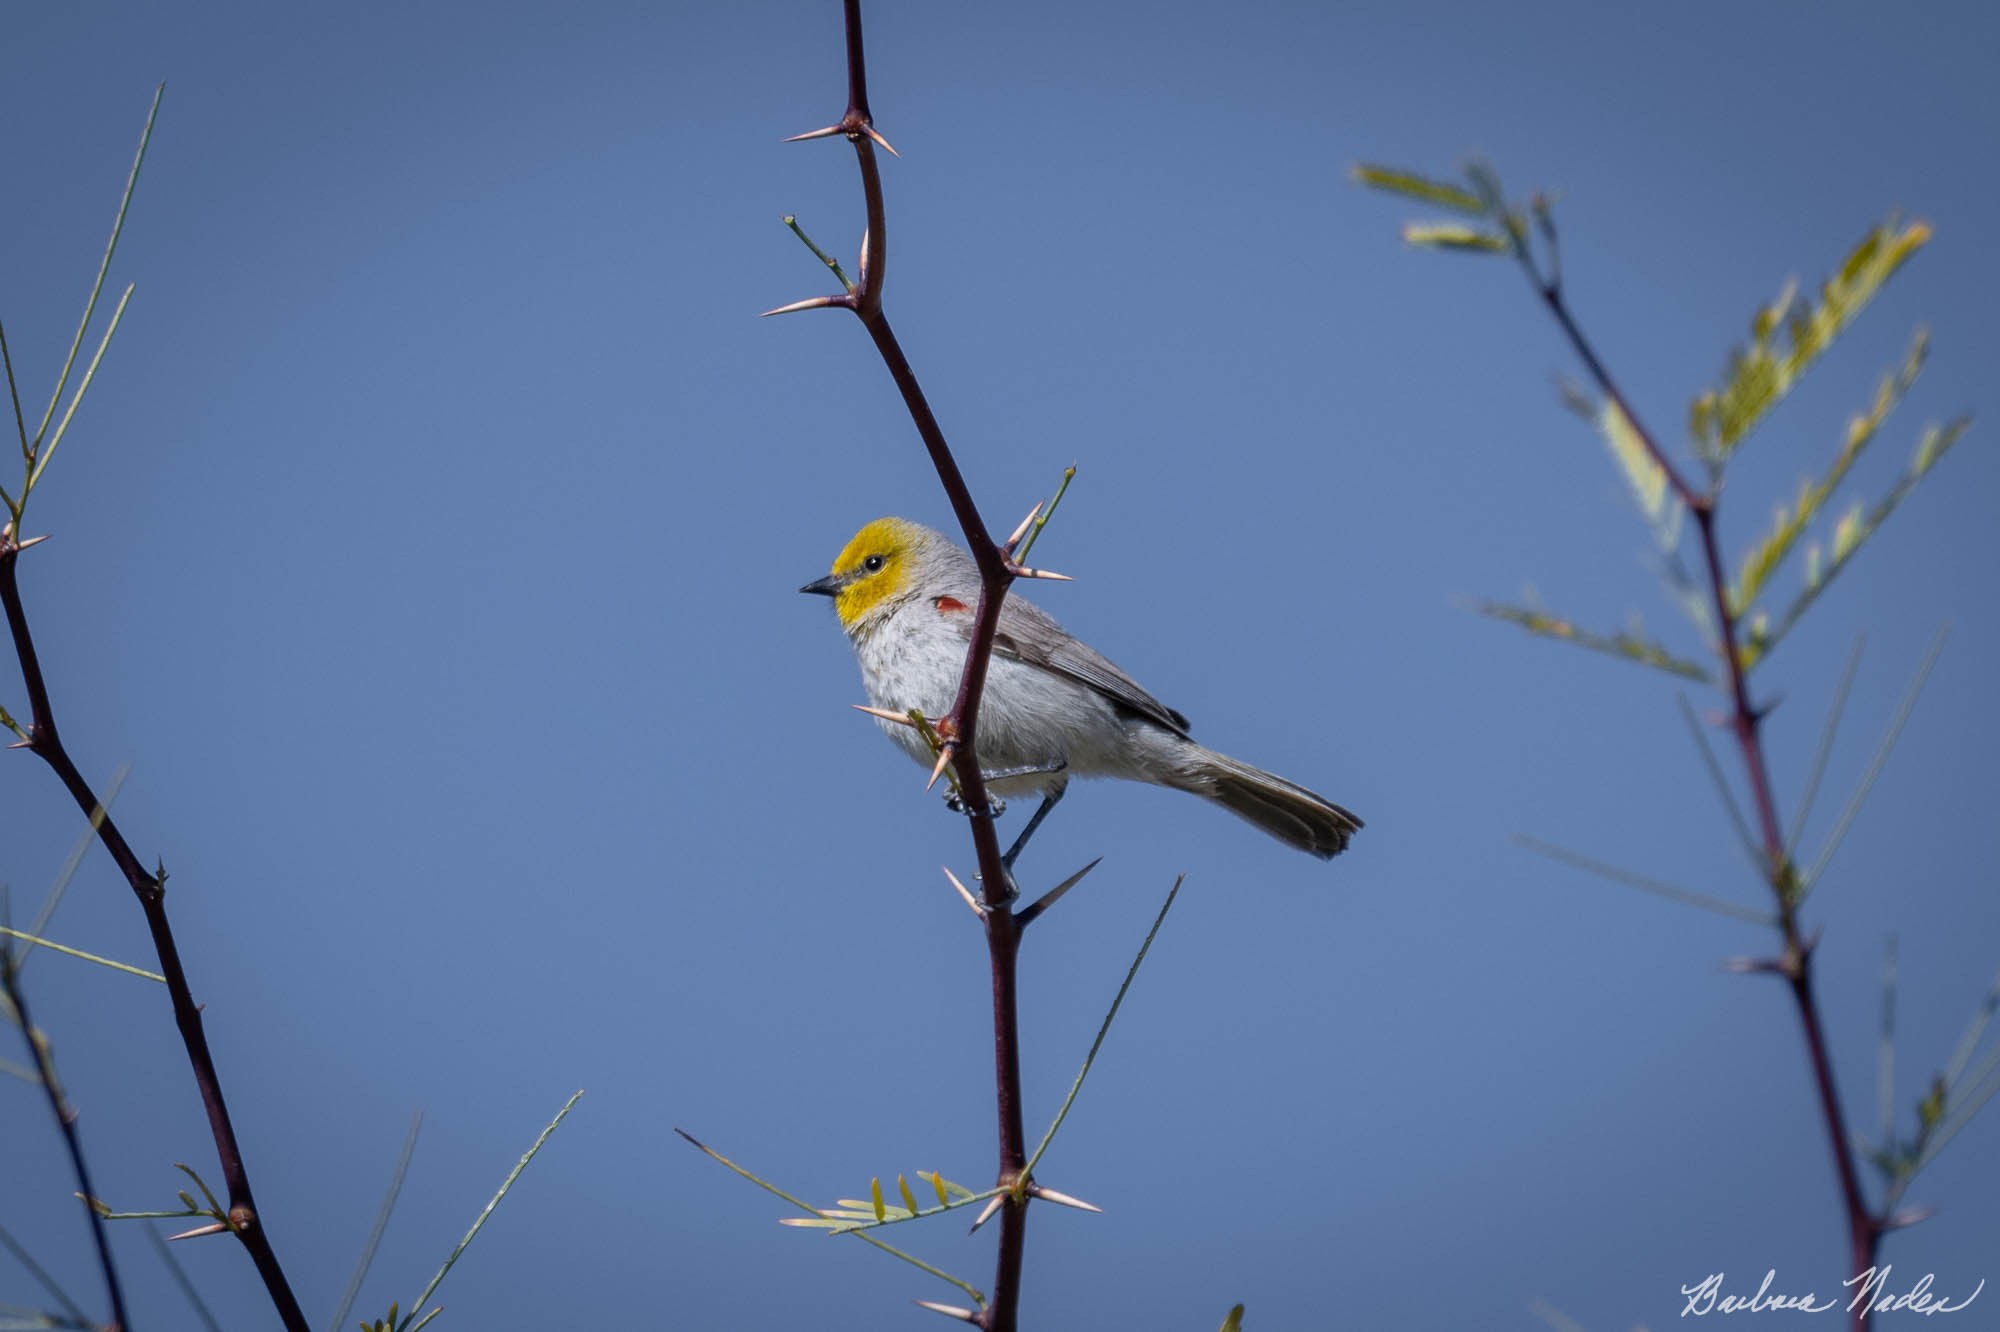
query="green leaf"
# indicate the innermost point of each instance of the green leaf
(1850, 534)
(1626, 645)
(1454, 236)
(946, 1189)
(1790, 522)
(1234, 1322)
(1644, 477)
(1424, 189)
(1785, 340)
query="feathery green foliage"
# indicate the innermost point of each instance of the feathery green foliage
(852, 1214)
(1763, 371)
(1791, 522)
(1643, 475)
(1453, 236)
(1786, 338)
(1850, 533)
(1628, 645)
(1424, 189)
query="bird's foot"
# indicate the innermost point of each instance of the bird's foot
(954, 802)
(1046, 768)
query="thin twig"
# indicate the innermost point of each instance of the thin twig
(40, 924)
(1043, 513)
(42, 1277)
(1644, 883)
(1104, 1027)
(1885, 1058)
(35, 941)
(382, 1213)
(1816, 773)
(804, 1206)
(1975, 1032)
(103, 269)
(486, 1212)
(65, 1114)
(1875, 765)
(1721, 784)
(14, 396)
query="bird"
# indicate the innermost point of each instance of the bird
(1054, 708)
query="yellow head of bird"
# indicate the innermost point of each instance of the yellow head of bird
(872, 570)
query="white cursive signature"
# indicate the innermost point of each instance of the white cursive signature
(1870, 1288)
(1918, 1299)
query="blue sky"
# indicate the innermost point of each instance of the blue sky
(429, 546)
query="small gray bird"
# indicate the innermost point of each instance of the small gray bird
(1053, 707)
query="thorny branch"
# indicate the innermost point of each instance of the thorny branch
(1745, 722)
(150, 888)
(959, 729)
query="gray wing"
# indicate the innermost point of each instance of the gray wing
(1027, 634)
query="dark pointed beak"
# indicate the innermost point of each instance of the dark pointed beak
(828, 586)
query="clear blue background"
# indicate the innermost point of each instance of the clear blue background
(429, 546)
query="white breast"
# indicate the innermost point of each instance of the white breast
(913, 658)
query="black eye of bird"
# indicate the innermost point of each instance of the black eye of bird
(873, 564)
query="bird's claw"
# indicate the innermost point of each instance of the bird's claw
(995, 806)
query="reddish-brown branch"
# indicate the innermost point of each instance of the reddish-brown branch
(1864, 1227)
(960, 727)
(45, 741)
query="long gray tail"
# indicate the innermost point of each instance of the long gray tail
(1287, 811)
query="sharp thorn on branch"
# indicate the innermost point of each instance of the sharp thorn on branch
(826, 133)
(948, 1310)
(1061, 1199)
(944, 758)
(876, 135)
(1054, 895)
(1020, 571)
(810, 303)
(1008, 545)
(965, 893)
(986, 1213)
(901, 719)
(1909, 1216)
(212, 1228)
(32, 541)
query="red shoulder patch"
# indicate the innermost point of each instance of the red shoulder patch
(950, 604)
